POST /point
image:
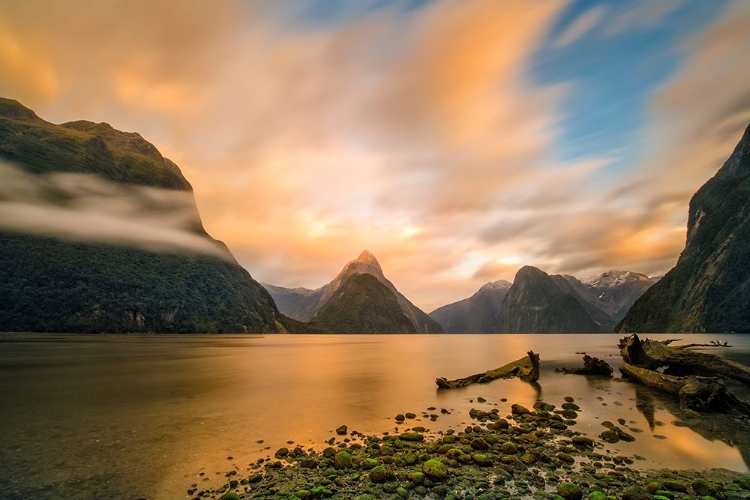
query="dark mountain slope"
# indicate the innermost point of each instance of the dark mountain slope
(362, 304)
(708, 290)
(536, 304)
(54, 285)
(479, 313)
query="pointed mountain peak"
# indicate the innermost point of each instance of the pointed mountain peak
(367, 258)
(366, 263)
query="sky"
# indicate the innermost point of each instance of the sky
(457, 140)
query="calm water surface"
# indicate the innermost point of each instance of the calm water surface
(141, 416)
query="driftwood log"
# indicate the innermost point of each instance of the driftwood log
(591, 366)
(652, 355)
(695, 393)
(526, 368)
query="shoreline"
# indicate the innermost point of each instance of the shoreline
(530, 453)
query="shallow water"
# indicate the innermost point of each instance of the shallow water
(141, 416)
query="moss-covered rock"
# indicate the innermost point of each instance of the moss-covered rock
(378, 474)
(583, 441)
(597, 495)
(705, 488)
(482, 459)
(636, 493)
(570, 491)
(675, 485)
(517, 409)
(509, 448)
(342, 460)
(435, 469)
(369, 463)
(412, 436)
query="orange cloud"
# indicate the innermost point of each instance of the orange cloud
(418, 136)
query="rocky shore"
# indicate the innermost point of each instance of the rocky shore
(532, 453)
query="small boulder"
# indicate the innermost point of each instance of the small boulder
(570, 491)
(435, 469)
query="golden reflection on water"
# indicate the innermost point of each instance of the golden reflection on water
(148, 414)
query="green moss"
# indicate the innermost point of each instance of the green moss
(378, 474)
(435, 469)
(416, 477)
(597, 495)
(570, 491)
(654, 486)
(509, 448)
(674, 485)
(369, 463)
(412, 436)
(342, 460)
(704, 488)
(231, 495)
(482, 459)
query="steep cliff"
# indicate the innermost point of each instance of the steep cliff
(708, 289)
(54, 279)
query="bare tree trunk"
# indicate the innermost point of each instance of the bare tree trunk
(526, 368)
(695, 393)
(651, 354)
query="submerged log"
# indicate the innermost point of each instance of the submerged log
(652, 355)
(591, 366)
(526, 368)
(695, 393)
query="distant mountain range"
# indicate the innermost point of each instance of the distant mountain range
(539, 303)
(353, 304)
(57, 284)
(708, 290)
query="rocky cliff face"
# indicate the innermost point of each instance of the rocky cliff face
(303, 304)
(708, 289)
(536, 304)
(63, 285)
(480, 313)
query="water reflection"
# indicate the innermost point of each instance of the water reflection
(129, 416)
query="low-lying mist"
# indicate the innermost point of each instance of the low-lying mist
(88, 208)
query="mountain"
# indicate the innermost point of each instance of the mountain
(605, 299)
(708, 289)
(479, 313)
(537, 304)
(362, 304)
(617, 291)
(54, 283)
(304, 304)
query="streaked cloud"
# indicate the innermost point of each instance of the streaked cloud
(581, 26)
(420, 134)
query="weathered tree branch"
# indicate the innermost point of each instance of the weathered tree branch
(652, 354)
(526, 368)
(591, 366)
(695, 393)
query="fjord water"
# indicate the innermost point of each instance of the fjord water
(143, 416)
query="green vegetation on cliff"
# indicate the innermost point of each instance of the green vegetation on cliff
(708, 289)
(60, 285)
(362, 304)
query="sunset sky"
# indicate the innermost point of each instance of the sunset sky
(457, 140)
